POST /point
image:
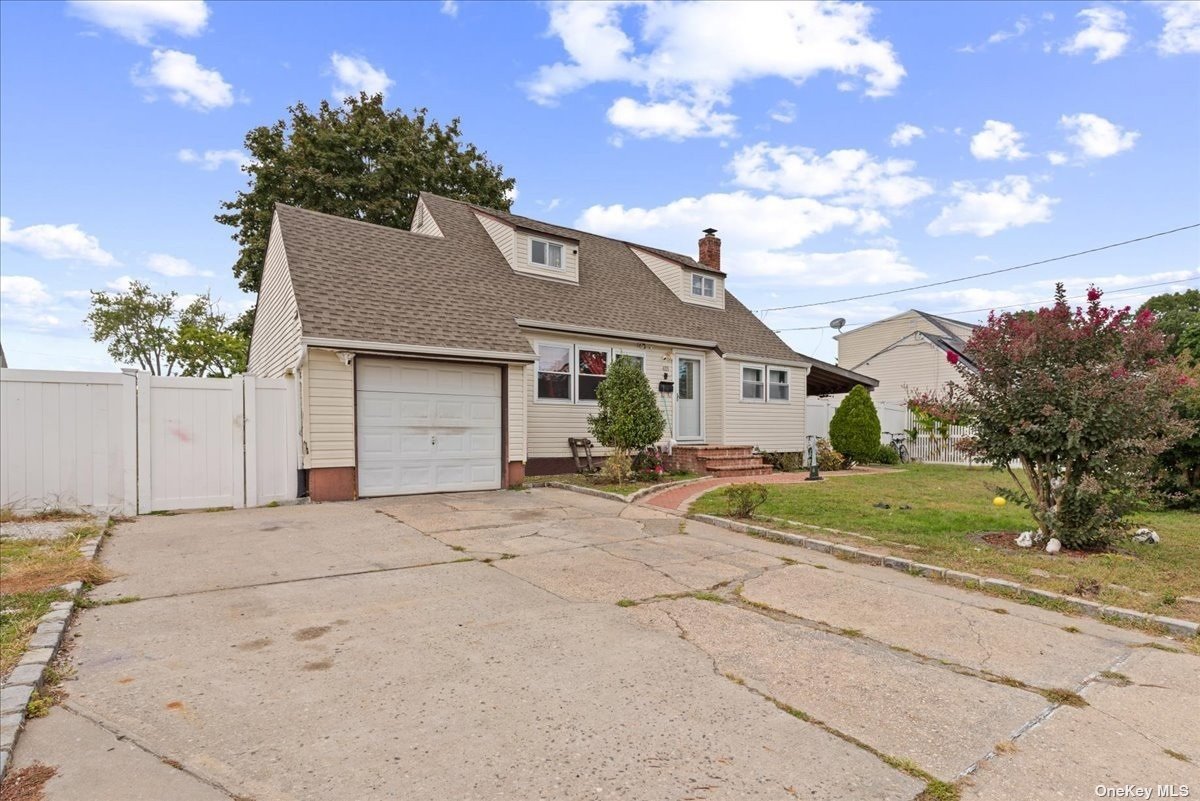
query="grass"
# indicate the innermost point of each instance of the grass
(628, 488)
(951, 504)
(47, 515)
(33, 571)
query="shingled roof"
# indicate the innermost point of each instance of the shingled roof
(366, 282)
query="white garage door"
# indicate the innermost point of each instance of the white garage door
(427, 427)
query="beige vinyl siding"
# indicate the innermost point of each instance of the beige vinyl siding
(423, 222)
(327, 398)
(855, 347)
(774, 426)
(713, 407)
(275, 343)
(679, 279)
(501, 234)
(550, 424)
(517, 378)
(914, 364)
(570, 258)
(960, 330)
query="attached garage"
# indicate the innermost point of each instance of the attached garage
(426, 426)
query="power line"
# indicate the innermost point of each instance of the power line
(1118, 293)
(983, 275)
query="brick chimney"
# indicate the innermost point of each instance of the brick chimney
(710, 249)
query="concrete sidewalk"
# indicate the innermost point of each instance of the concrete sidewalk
(471, 646)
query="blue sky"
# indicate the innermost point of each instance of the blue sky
(839, 149)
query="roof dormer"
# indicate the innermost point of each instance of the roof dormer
(534, 253)
(696, 282)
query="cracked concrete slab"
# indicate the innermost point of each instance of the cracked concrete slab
(1162, 702)
(595, 531)
(943, 721)
(937, 626)
(589, 574)
(669, 548)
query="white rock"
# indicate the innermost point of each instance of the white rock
(1147, 535)
(1026, 539)
(1053, 546)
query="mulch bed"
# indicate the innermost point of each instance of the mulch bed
(1007, 541)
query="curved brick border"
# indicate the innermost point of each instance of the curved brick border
(1183, 628)
(29, 673)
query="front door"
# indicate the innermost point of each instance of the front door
(687, 400)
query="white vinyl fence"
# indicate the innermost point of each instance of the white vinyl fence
(897, 419)
(126, 443)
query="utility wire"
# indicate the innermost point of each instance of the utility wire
(982, 275)
(1116, 294)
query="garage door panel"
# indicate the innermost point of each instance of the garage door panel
(428, 427)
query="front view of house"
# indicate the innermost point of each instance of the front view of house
(465, 353)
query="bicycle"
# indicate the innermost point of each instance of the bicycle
(898, 445)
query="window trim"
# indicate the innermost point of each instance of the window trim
(562, 254)
(570, 373)
(787, 382)
(706, 282)
(581, 346)
(637, 354)
(613, 352)
(762, 381)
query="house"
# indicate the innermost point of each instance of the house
(463, 354)
(910, 352)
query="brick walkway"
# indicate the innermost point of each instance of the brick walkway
(680, 498)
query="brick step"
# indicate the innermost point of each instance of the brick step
(709, 451)
(731, 462)
(738, 472)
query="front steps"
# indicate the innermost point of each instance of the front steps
(721, 461)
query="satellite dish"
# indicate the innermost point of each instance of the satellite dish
(837, 323)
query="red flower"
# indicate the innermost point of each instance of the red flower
(1093, 294)
(952, 357)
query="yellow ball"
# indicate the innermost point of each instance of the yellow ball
(998, 501)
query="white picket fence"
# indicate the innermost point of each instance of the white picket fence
(135, 443)
(897, 419)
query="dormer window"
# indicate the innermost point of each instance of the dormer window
(546, 254)
(703, 286)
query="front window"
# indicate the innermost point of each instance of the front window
(777, 385)
(703, 286)
(546, 254)
(752, 383)
(554, 372)
(636, 358)
(593, 366)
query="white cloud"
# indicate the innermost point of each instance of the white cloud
(904, 135)
(1057, 158)
(186, 82)
(1007, 203)
(998, 140)
(173, 266)
(852, 177)
(553, 204)
(121, 283)
(213, 159)
(784, 112)
(23, 290)
(1181, 28)
(688, 57)
(1096, 137)
(139, 20)
(1105, 32)
(1019, 29)
(672, 119)
(450, 8)
(65, 242)
(868, 266)
(355, 74)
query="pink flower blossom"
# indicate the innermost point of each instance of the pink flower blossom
(952, 357)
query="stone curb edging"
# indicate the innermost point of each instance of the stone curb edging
(30, 672)
(1184, 628)
(612, 496)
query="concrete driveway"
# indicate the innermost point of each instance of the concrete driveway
(472, 647)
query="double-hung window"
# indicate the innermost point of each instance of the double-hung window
(545, 254)
(637, 358)
(752, 383)
(703, 286)
(554, 373)
(777, 384)
(593, 366)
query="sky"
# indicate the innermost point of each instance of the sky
(839, 149)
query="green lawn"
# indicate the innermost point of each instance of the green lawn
(628, 488)
(951, 504)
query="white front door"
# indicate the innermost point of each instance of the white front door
(427, 426)
(687, 399)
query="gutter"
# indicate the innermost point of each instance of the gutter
(425, 351)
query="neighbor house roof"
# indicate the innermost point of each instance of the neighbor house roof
(935, 320)
(365, 282)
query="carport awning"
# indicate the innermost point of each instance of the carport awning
(829, 379)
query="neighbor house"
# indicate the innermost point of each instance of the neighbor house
(465, 353)
(910, 352)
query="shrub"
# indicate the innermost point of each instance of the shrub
(854, 429)
(742, 499)
(827, 457)
(628, 418)
(887, 455)
(787, 461)
(648, 463)
(616, 469)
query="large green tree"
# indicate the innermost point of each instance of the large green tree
(357, 160)
(152, 331)
(1178, 316)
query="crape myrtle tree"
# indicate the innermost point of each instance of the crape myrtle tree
(628, 418)
(358, 160)
(1083, 399)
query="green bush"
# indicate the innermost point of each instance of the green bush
(887, 455)
(742, 499)
(628, 419)
(854, 429)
